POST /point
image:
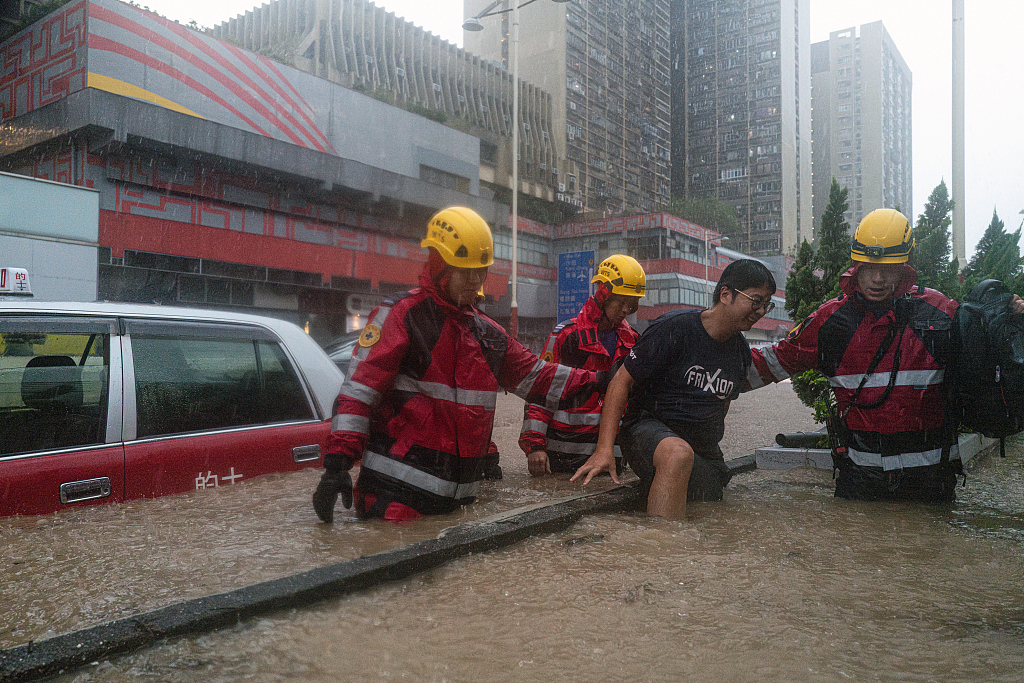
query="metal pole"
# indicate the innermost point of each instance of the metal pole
(958, 190)
(513, 324)
(707, 259)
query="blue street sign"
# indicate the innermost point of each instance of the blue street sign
(574, 272)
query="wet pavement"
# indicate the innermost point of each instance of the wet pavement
(89, 565)
(780, 581)
(749, 583)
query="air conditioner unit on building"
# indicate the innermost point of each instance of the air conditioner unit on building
(400, 71)
(462, 98)
(437, 87)
(561, 187)
(526, 126)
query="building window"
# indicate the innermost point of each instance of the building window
(436, 176)
(488, 152)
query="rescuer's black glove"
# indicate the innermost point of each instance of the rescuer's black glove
(335, 480)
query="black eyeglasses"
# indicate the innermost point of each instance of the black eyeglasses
(755, 303)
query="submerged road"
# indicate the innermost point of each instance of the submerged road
(349, 555)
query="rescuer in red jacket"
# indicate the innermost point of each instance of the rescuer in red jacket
(885, 345)
(595, 339)
(417, 406)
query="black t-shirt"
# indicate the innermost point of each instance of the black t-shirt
(681, 374)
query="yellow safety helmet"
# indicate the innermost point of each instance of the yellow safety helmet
(883, 236)
(461, 237)
(623, 275)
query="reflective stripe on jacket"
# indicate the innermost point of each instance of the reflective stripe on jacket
(574, 343)
(841, 339)
(417, 405)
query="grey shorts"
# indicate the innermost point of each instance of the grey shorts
(640, 437)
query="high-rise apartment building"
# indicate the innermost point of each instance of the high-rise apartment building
(364, 47)
(741, 128)
(606, 65)
(861, 90)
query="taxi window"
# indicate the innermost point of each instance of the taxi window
(54, 381)
(282, 389)
(187, 382)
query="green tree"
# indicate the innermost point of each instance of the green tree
(932, 247)
(997, 255)
(995, 230)
(706, 212)
(833, 256)
(815, 279)
(803, 287)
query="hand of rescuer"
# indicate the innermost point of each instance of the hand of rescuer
(538, 463)
(1017, 305)
(335, 480)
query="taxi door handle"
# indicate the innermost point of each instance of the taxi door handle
(87, 489)
(306, 453)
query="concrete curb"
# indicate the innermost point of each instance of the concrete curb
(62, 653)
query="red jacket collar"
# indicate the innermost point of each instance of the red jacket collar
(427, 285)
(589, 318)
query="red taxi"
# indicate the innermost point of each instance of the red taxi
(104, 402)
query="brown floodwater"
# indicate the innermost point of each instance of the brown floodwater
(778, 582)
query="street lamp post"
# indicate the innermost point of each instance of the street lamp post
(473, 24)
(707, 261)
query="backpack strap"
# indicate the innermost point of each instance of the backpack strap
(898, 325)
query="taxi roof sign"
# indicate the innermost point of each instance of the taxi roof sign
(14, 282)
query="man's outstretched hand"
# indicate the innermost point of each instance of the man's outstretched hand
(600, 461)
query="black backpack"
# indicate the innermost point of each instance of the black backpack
(989, 375)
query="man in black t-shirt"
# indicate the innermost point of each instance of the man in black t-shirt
(678, 380)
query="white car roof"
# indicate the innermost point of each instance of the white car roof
(319, 371)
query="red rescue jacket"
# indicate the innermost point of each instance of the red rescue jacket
(417, 406)
(842, 338)
(574, 343)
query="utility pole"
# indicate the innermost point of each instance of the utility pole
(958, 193)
